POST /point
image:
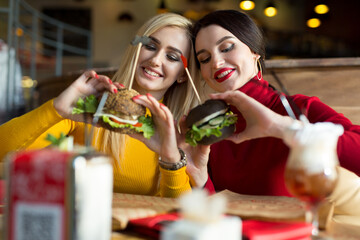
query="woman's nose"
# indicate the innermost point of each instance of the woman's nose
(155, 60)
(217, 61)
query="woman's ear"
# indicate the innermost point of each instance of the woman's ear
(182, 79)
(256, 56)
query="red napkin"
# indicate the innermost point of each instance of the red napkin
(263, 230)
(151, 226)
(251, 229)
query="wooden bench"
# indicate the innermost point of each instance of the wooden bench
(336, 81)
(51, 87)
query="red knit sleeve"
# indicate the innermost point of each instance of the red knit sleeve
(349, 143)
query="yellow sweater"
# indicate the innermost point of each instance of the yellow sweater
(138, 173)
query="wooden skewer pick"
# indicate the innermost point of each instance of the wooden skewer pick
(184, 60)
(137, 41)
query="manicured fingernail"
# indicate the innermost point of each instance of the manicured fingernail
(121, 85)
(162, 105)
(115, 90)
(96, 76)
(136, 97)
(148, 94)
(110, 81)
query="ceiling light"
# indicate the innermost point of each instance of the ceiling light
(321, 9)
(247, 5)
(270, 10)
(313, 23)
(19, 32)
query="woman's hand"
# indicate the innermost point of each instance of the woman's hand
(197, 158)
(88, 83)
(167, 139)
(260, 120)
(163, 141)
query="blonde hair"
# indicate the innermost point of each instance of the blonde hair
(179, 98)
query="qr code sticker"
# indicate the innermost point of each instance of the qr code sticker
(38, 222)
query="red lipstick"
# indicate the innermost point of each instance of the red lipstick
(223, 74)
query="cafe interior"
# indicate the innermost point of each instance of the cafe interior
(312, 48)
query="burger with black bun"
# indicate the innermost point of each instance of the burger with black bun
(210, 122)
(120, 113)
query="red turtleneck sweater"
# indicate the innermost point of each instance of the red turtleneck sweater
(257, 166)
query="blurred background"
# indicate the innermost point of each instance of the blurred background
(49, 42)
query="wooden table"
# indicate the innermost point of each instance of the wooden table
(238, 205)
(245, 206)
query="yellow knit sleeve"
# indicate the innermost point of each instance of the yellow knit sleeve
(29, 130)
(174, 183)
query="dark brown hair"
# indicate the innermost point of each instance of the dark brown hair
(240, 25)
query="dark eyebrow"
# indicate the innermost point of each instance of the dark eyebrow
(176, 50)
(223, 39)
(217, 43)
(172, 48)
(154, 39)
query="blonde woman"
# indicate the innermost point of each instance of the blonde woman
(161, 79)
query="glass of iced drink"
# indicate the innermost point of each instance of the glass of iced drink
(310, 172)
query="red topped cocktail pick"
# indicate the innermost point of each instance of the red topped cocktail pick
(184, 60)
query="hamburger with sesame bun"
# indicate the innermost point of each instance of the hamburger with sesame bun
(120, 113)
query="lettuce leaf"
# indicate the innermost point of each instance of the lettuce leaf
(147, 127)
(54, 140)
(63, 142)
(87, 105)
(195, 134)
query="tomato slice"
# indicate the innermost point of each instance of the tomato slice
(136, 125)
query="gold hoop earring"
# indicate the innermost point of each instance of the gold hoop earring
(257, 75)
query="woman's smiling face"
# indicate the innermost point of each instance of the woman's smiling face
(159, 64)
(226, 63)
